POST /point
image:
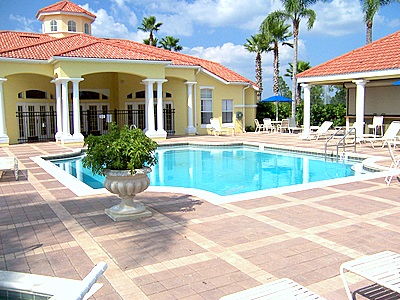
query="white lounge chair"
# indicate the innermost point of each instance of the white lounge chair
(281, 289)
(390, 135)
(259, 127)
(321, 131)
(58, 288)
(216, 128)
(394, 165)
(9, 163)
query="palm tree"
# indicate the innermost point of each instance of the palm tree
(370, 8)
(301, 67)
(258, 44)
(295, 10)
(279, 33)
(149, 25)
(154, 43)
(170, 43)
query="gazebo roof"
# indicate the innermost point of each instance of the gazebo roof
(380, 58)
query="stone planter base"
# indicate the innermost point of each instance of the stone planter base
(126, 186)
(125, 217)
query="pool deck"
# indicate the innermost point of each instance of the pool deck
(190, 248)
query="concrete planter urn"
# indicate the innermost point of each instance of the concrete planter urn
(124, 156)
(126, 186)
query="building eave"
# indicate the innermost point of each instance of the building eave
(24, 60)
(55, 59)
(81, 14)
(371, 75)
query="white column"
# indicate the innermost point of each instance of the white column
(58, 109)
(4, 139)
(65, 110)
(76, 109)
(190, 129)
(307, 110)
(150, 126)
(360, 100)
(160, 116)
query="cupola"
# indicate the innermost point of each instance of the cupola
(65, 18)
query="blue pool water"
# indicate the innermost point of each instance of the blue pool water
(226, 170)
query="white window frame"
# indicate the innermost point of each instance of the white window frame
(202, 88)
(227, 109)
(53, 25)
(86, 28)
(71, 26)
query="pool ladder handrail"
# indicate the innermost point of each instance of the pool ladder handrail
(342, 142)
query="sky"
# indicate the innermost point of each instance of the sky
(217, 29)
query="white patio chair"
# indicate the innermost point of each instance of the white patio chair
(268, 126)
(284, 126)
(293, 126)
(377, 124)
(259, 127)
(216, 127)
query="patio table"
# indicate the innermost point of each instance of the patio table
(382, 268)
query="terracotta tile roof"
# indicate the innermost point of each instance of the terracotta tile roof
(44, 47)
(13, 39)
(383, 54)
(64, 6)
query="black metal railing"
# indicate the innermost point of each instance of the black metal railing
(41, 126)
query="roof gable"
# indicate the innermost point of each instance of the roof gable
(64, 6)
(383, 54)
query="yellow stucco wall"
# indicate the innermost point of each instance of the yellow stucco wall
(62, 23)
(76, 68)
(16, 84)
(117, 80)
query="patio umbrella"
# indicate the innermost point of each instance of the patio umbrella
(396, 83)
(276, 99)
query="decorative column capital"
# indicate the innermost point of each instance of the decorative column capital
(76, 79)
(2, 80)
(149, 81)
(190, 82)
(306, 85)
(361, 82)
(61, 80)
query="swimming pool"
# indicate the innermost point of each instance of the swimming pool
(227, 170)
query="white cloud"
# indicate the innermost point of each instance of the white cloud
(121, 10)
(24, 24)
(106, 26)
(180, 17)
(336, 18)
(238, 59)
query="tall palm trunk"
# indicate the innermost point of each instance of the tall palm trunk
(259, 75)
(276, 68)
(294, 79)
(369, 32)
(151, 38)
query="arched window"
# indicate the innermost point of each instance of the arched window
(142, 95)
(71, 26)
(35, 94)
(53, 25)
(87, 28)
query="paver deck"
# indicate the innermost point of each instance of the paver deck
(190, 248)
